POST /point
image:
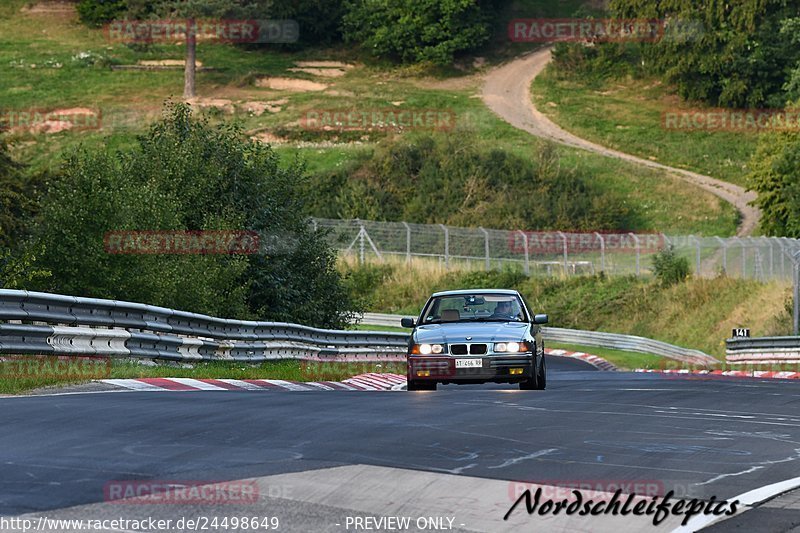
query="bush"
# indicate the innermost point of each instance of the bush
(669, 268)
(454, 179)
(98, 12)
(187, 175)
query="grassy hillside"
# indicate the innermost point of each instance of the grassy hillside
(54, 63)
(627, 115)
(699, 313)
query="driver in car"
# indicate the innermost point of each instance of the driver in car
(504, 309)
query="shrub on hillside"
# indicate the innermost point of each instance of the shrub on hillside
(669, 268)
(455, 179)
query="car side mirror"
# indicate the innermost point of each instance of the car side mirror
(407, 322)
(539, 319)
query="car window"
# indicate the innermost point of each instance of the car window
(478, 306)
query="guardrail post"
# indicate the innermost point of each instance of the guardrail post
(408, 242)
(314, 224)
(486, 248)
(446, 246)
(564, 242)
(525, 243)
(602, 252)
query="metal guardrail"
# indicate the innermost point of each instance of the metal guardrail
(589, 338)
(760, 350)
(42, 323)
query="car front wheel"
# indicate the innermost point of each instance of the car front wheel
(538, 381)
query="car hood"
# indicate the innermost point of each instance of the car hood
(480, 332)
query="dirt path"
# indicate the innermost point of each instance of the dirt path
(507, 93)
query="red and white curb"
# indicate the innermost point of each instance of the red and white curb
(363, 382)
(763, 374)
(595, 361)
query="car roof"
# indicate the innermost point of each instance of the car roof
(477, 291)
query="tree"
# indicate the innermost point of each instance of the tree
(191, 11)
(18, 202)
(775, 177)
(185, 174)
(734, 53)
(418, 30)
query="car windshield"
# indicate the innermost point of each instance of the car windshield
(474, 307)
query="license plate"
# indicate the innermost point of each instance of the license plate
(469, 363)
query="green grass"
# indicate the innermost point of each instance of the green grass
(626, 114)
(290, 370)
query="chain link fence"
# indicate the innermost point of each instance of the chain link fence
(560, 253)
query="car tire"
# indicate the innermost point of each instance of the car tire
(538, 381)
(414, 385)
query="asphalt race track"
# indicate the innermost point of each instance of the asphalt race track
(461, 453)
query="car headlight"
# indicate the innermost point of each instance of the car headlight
(510, 347)
(427, 349)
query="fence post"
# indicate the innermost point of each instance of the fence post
(525, 243)
(744, 258)
(697, 255)
(446, 246)
(771, 258)
(361, 233)
(602, 252)
(724, 246)
(408, 242)
(314, 224)
(638, 252)
(486, 248)
(564, 241)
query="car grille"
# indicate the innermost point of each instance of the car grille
(464, 349)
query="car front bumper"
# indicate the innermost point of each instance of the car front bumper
(493, 368)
